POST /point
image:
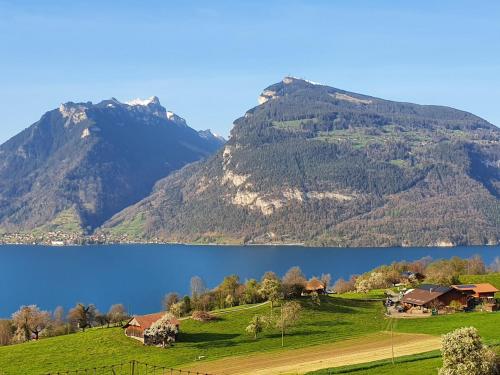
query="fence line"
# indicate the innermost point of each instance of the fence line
(128, 368)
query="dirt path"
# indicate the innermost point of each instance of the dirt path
(299, 361)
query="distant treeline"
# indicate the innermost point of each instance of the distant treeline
(441, 271)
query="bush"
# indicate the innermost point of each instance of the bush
(455, 305)
(203, 316)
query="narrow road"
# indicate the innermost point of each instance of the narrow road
(299, 361)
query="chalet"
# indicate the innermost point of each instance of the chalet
(314, 285)
(432, 296)
(478, 291)
(135, 326)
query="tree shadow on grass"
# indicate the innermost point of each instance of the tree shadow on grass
(329, 307)
(215, 344)
(290, 334)
(205, 337)
(330, 324)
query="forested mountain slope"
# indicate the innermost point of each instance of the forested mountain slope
(82, 163)
(323, 166)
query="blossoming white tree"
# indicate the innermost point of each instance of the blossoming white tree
(162, 332)
(464, 354)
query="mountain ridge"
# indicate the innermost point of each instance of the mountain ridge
(87, 161)
(323, 166)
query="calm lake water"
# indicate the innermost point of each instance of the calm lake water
(139, 275)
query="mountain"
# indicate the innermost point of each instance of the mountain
(82, 163)
(318, 165)
(213, 138)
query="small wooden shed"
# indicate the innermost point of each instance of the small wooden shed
(135, 326)
(315, 285)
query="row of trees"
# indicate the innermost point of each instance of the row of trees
(441, 271)
(31, 323)
(232, 292)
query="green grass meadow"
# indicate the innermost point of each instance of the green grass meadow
(334, 320)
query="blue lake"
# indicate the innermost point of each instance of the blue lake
(139, 275)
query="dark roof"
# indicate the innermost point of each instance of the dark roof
(434, 288)
(465, 286)
(424, 294)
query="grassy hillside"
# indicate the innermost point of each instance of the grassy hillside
(372, 294)
(492, 278)
(419, 364)
(335, 320)
(488, 324)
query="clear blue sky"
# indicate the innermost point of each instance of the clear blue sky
(209, 60)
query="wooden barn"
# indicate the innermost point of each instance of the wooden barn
(314, 285)
(135, 326)
(432, 296)
(479, 291)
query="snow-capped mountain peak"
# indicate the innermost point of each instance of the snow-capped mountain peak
(144, 102)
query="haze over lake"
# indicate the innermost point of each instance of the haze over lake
(139, 275)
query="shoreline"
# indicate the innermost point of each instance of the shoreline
(296, 244)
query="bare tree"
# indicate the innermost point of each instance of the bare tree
(495, 265)
(294, 282)
(170, 299)
(270, 289)
(30, 320)
(271, 276)
(343, 286)
(58, 316)
(325, 279)
(5, 332)
(82, 316)
(117, 313)
(198, 287)
(290, 315)
(102, 319)
(475, 265)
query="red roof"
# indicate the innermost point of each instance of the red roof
(145, 321)
(477, 288)
(314, 285)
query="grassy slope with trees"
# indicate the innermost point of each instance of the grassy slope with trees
(334, 320)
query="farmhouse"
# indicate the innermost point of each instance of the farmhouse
(135, 327)
(429, 296)
(477, 291)
(314, 285)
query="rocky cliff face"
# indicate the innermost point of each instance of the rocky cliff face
(323, 166)
(82, 163)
